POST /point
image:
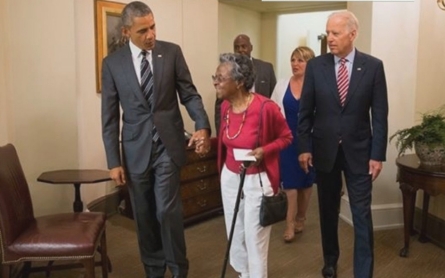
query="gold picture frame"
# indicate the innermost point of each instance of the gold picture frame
(109, 36)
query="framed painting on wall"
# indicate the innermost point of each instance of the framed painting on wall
(109, 35)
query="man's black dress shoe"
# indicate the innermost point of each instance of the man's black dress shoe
(329, 271)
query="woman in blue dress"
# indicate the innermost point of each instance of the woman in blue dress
(296, 183)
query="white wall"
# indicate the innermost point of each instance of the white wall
(395, 24)
(269, 22)
(48, 84)
(407, 37)
(363, 12)
(176, 22)
(417, 85)
(91, 151)
(293, 31)
(260, 27)
(233, 21)
(430, 92)
(200, 49)
(40, 95)
(49, 108)
(4, 65)
(385, 29)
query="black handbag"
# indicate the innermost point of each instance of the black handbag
(273, 209)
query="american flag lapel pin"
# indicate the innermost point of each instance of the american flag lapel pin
(359, 69)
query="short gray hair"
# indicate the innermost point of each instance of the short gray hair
(132, 10)
(351, 19)
(242, 68)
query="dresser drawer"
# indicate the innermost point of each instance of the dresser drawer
(201, 203)
(193, 157)
(198, 170)
(199, 186)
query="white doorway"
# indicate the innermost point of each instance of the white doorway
(293, 30)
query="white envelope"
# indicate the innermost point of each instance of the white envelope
(241, 155)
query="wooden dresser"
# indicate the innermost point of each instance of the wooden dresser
(200, 188)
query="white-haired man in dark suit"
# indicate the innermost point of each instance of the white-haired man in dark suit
(343, 128)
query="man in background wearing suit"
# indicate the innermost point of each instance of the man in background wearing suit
(144, 78)
(343, 127)
(264, 74)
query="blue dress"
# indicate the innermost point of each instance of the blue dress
(292, 176)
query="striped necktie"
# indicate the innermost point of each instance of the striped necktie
(147, 87)
(343, 81)
(146, 78)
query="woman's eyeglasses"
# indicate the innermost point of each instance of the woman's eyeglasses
(219, 79)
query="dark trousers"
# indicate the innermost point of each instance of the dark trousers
(158, 213)
(359, 192)
(217, 115)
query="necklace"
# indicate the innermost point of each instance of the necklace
(242, 121)
(240, 127)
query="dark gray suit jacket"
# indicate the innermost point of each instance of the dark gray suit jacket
(361, 124)
(120, 87)
(265, 81)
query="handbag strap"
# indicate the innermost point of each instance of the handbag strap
(261, 184)
(260, 127)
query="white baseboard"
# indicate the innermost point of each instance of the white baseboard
(387, 216)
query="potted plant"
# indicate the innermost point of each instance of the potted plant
(427, 138)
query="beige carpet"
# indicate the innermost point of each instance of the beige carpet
(206, 243)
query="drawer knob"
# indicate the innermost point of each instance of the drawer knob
(202, 203)
(202, 185)
(202, 169)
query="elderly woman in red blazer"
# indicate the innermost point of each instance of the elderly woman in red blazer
(248, 121)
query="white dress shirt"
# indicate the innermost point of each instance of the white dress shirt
(137, 59)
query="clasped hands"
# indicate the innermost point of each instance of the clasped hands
(201, 140)
(202, 146)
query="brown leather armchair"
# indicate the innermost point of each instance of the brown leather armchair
(58, 237)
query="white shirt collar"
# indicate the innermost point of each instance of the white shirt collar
(136, 51)
(350, 57)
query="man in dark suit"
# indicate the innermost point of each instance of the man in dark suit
(145, 78)
(265, 79)
(343, 128)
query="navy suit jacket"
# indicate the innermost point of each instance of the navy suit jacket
(120, 87)
(360, 125)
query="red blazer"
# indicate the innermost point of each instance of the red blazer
(274, 135)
